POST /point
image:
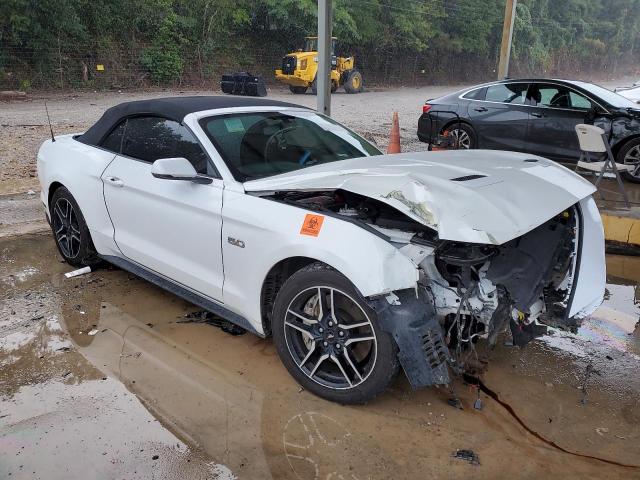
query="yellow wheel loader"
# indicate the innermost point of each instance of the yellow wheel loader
(299, 69)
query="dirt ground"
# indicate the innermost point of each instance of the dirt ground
(104, 374)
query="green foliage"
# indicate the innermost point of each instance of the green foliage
(163, 59)
(47, 42)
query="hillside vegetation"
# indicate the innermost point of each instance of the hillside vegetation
(135, 43)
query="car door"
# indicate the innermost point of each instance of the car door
(499, 116)
(555, 111)
(172, 227)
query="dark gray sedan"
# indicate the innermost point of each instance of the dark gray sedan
(535, 116)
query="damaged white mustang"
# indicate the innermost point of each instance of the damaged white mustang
(287, 224)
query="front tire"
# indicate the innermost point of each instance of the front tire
(329, 339)
(70, 230)
(629, 154)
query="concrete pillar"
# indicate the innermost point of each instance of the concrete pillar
(324, 56)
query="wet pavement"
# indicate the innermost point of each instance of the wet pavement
(102, 376)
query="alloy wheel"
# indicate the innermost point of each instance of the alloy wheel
(330, 337)
(66, 228)
(633, 158)
(462, 140)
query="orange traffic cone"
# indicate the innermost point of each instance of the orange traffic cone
(394, 138)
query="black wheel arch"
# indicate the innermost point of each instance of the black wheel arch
(616, 147)
(273, 281)
(275, 278)
(455, 121)
(52, 189)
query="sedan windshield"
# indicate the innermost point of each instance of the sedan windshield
(612, 98)
(261, 144)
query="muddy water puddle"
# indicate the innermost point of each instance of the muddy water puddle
(146, 395)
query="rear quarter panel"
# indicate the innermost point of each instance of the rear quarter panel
(78, 167)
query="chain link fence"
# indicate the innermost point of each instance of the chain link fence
(95, 67)
(85, 67)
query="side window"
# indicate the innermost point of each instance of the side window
(188, 147)
(548, 95)
(152, 138)
(478, 94)
(113, 141)
(579, 102)
(512, 93)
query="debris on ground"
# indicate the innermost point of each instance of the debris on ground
(80, 271)
(93, 332)
(455, 403)
(588, 371)
(467, 455)
(203, 316)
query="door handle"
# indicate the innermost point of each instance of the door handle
(481, 109)
(115, 181)
(538, 115)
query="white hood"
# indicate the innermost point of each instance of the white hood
(514, 194)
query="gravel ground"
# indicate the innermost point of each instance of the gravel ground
(23, 125)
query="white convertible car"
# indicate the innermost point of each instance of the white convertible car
(287, 224)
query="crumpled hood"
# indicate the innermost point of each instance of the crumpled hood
(478, 196)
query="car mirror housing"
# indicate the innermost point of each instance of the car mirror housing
(178, 168)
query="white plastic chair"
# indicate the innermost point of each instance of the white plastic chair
(592, 139)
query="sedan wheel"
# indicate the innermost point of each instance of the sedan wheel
(70, 230)
(629, 154)
(329, 338)
(66, 228)
(633, 158)
(462, 140)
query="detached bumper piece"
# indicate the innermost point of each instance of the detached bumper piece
(243, 83)
(413, 324)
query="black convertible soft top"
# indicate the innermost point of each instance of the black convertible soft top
(173, 108)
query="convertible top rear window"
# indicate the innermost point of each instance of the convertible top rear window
(261, 144)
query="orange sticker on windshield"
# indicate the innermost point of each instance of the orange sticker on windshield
(312, 225)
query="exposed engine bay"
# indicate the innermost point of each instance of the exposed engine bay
(476, 291)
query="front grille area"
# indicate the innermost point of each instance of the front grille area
(288, 65)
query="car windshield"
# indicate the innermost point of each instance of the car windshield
(261, 144)
(612, 98)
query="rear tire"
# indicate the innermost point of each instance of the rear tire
(629, 154)
(298, 90)
(336, 349)
(354, 82)
(465, 132)
(70, 230)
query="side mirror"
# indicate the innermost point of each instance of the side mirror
(177, 169)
